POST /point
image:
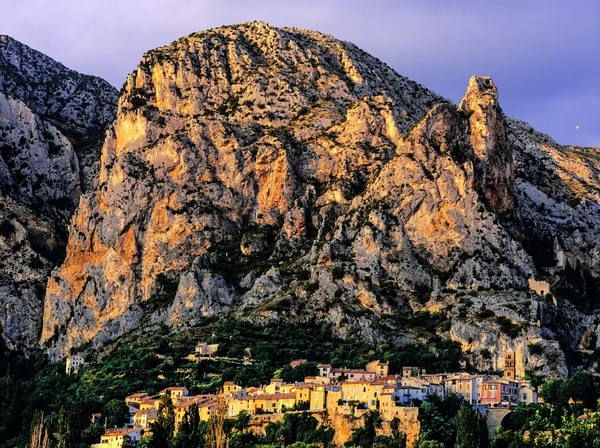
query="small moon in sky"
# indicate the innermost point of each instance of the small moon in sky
(577, 127)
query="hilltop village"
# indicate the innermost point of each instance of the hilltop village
(332, 393)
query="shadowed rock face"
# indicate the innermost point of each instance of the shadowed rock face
(493, 159)
(51, 119)
(285, 175)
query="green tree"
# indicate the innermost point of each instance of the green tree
(466, 427)
(438, 422)
(128, 442)
(115, 413)
(242, 421)
(483, 437)
(364, 436)
(430, 444)
(63, 439)
(471, 428)
(188, 435)
(164, 427)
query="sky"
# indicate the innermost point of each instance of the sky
(543, 55)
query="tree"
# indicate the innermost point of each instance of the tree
(127, 442)
(115, 413)
(216, 437)
(466, 427)
(64, 434)
(437, 421)
(189, 435)
(364, 437)
(483, 437)
(39, 432)
(163, 428)
(242, 421)
(430, 444)
(471, 428)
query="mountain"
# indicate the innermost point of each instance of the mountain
(285, 176)
(51, 124)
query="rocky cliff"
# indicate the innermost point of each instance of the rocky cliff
(285, 175)
(47, 114)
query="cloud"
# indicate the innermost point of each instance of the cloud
(541, 53)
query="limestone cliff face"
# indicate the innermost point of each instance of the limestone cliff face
(493, 158)
(284, 175)
(41, 176)
(80, 106)
(236, 131)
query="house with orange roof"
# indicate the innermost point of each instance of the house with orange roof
(144, 418)
(296, 362)
(176, 392)
(134, 399)
(377, 367)
(114, 437)
(230, 389)
(149, 403)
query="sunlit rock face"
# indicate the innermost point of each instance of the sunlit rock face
(493, 158)
(283, 175)
(236, 131)
(48, 115)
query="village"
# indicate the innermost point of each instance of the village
(334, 391)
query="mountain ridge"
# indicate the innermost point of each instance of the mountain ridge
(280, 175)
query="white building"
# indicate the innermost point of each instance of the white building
(73, 363)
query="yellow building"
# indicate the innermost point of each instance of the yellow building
(378, 368)
(332, 399)
(206, 408)
(303, 391)
(134, 399)
(144, 418)
(318, 397)
(114, 438)
(176, 392)
(361, 391)
(149, 403)
(277, 386)
(262, 404)
(230, 389)
(388, 407)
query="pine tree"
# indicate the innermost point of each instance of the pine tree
(483, 438)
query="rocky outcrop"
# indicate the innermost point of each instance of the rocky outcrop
(493, 158)
(226, 133)
(80, 106)
(41, 175)
(284, 175)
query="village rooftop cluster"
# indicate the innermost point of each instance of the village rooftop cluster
(335, 390)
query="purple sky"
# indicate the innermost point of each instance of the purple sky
(544, 55)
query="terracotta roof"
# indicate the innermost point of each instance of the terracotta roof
(121, 432)
(137, 395)
(271, 397)
(297, 362)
